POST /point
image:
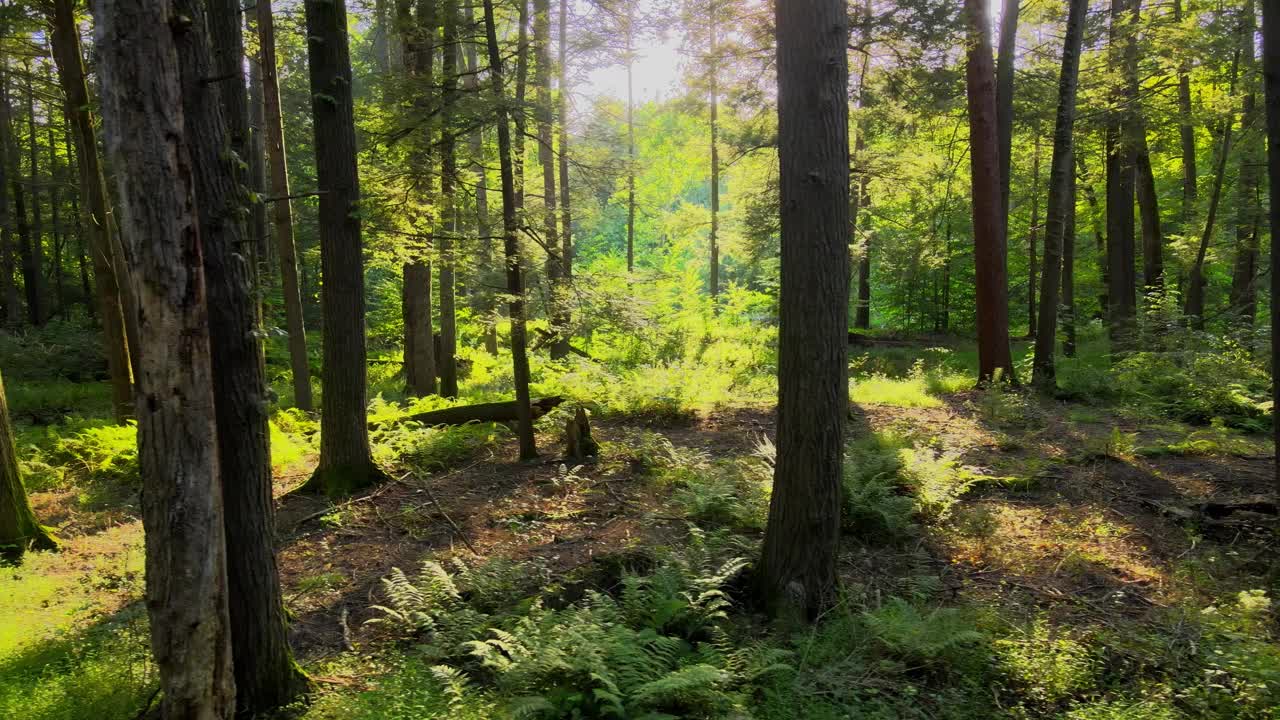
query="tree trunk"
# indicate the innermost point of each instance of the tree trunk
(282, 210)
(1007, 56)
(1186, 132)
(511, 246)
(485, 299)
(546, 159)
(33, 258)
(1032, 233)
(862, 314)
(797, 570)
(95, 220)
(182, 512)
(561, 348)
(266, 675)
(714, 106)
(19, 530)
(1099, 235)
(1271, 76)
(1061, 200)
(419, 346)
(1069, 273)
(1149, 210)
(631, 137)
(257, 184)
(58, 231)
(1121, 293)
(346, 463)
(503, 411)
(1244, 275)
(991, 273)
(12, 305)
(1194, 306)
(447, 359)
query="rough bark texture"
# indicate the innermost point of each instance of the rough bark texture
(1193, 308)
(994, 359)
(1069, 273)
(1033, 232)
(1061, 199)
(1122, 281)
(346, 464)
(282, 209)
(257, 177)
(798, 561)
(266, 675)
(545, 116)
(1149, 212)
(33, 252)
(12, 305)
(1186, 132)
(1244, 275)
(1006, 56)
(419, 346)
(447, 359)
(19, 530)
(94, 221)
(177, 434)
(511, 246)
(561, 347)
(1271, 83)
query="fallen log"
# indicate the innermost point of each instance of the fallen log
(497, 412)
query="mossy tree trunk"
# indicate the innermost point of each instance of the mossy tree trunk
(19, 530)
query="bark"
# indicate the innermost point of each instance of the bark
(504, 411)
(12, 305)
(545, 117)
(629, 34)
(1069, 274)
(1186, 132)
(1032, 233)
(177, 434)
(419, 348)
(1099, 234)
(282, 209)
(994, 359)
(1061, 200)
(862, 315)
(1006, 57)
(797, 577)
(1271, 84)
(94, 217)
(266, 676)
(1194, 306)
(58, 230)
(1149, 211)
(487, 304)
(861, 200)
(257, 178)
(714, 106)
(33, 252)
(562, 347)
(511, 246)
(1122, 280)
(346, 464)
(19, 530)
(447, 359)
(1244, 293)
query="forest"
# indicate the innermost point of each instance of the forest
(639, 359)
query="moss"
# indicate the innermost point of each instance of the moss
(345, 479)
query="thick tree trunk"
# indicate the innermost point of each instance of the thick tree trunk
(1149, 210)
(504, 411)
(33, 253)
(257, 184)
(797, 577)
(1121, 152)
(282, 210)
(182, 512)
(1061, 200)
(1006, 57)
(19, 530)
(419, 346)
(266, 675)
(447, 359)
(994, 359)
(511, 246)
(1271, 77)
(1244, 293)
(95, 220)
(346, 463)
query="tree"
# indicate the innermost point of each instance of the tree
(994, 358)
(33, 250)
(447, 360)
(346, 462)
(177, 432)
(1121, 290)
(1007, 55)
(419, 345)
(511, 247)
(266, 677)
(19, 529)
(560, 348)
(798, 561)
(1244, 293)
(545, 116)
(108, 277)
(282, 209)
(713, 106)
(1271, 85)
(1061, 199)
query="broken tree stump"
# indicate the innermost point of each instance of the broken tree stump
(496, 412)
(578, 443)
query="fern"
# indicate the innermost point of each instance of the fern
(927, 638)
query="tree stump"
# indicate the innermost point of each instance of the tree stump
(578, 443)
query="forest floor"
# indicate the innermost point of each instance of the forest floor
(1091, 519)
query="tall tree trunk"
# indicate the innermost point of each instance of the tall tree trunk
(257, 183)
(1032, 233)
(1099, 234)
(58, 231)
(1186, 131)
(282, 209)
(861, 200)
(713, 103)
(487, 300)
(19, 530)
(266, 676)
(1069, 273)
(1194, 306)
(797, 571)
(561, 348)
(1121, 293)
(1244, 275)
(448, 171)
(182, 512)
(991, 272)
(1061, 200)
(1149, 210)
(346, 463)
(521, 118)
(419, 340)
(12, 305)
(1271, 77)
(631, 137)
(545, 116)
(1007, 56)
(33, 261)
(862, 314)
(511, 245)
(95, 221)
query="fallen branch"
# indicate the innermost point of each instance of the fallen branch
(457, 530)
(497, 412)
